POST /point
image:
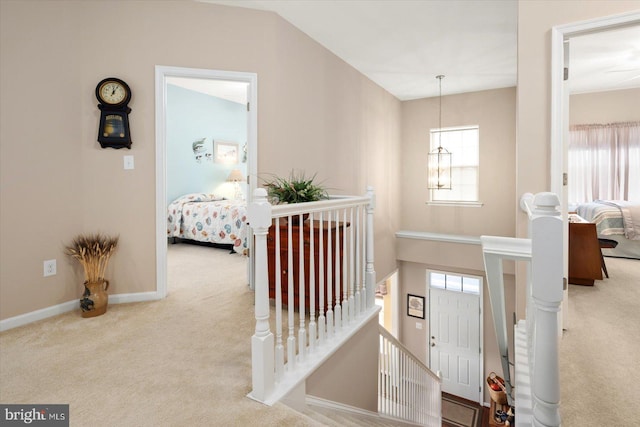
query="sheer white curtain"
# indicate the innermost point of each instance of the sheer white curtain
(604, 162)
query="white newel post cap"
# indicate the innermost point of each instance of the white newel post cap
(545, 203)
(260, 210)
(525, 201)
(372, 196)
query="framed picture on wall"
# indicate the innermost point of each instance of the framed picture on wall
(226, 152)
(415, 306)
(202, 150)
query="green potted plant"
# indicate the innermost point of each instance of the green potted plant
(93, 252)
(297, 188)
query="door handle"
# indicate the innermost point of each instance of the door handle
(433, 344)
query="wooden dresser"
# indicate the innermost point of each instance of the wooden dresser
(285, 270)
(584, 252)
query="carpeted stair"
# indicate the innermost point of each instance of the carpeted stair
(345, 418)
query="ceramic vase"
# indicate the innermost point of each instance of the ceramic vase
(95, 298)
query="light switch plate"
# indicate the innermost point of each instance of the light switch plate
(418, 325)
(128, 162)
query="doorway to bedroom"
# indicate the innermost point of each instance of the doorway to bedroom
(578, 99)
(206, 153)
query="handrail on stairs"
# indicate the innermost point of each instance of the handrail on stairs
(407, 388)
(387, 335)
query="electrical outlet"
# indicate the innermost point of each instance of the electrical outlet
(50, 267)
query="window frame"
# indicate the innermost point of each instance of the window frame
(434, 140)
(462, 276)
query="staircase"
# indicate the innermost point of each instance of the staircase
(408, 393)
(330, 414)
(407, 389)
(314, 274)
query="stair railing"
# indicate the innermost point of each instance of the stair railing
(537, 380)
(407, 389)
(314, 291)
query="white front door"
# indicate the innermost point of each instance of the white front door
(454, 340)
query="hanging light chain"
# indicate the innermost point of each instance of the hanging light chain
(440, 159)
(440, 77)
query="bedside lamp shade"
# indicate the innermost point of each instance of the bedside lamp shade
(235, 176)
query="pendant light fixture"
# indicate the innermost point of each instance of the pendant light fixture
(439, 158)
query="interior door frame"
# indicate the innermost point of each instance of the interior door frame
(161, 74)
(560, 51)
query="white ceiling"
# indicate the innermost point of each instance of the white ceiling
(402, 45)
(229, 90)
(608, 60)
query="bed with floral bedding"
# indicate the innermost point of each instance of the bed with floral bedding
(206, 218)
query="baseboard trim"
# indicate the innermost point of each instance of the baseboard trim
(44, 313)
(134, 297)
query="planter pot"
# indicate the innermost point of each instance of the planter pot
(95, 298)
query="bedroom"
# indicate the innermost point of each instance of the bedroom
(206, 157)
(604, 143)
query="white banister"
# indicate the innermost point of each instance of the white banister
(279, 352)
(262, 356)
(537, 382)
(320, 263)
(407, 389)
(546, 293)
(337, 311)
(370, 274)
(312, 288)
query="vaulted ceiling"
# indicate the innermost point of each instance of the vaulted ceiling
(402, 45)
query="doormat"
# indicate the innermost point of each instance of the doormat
(459, 413)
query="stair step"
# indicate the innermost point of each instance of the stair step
(339, 418)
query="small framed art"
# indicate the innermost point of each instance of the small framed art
(415, 306)
(226, 152)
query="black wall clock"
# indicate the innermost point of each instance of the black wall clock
(114, 95)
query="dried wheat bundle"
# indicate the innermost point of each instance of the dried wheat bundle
(93, 252)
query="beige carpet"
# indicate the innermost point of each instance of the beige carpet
(185, 360)
(600, 352)
(181, 361)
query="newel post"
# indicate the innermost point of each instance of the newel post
(262, 342)
(547, 294)
(370, 273)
